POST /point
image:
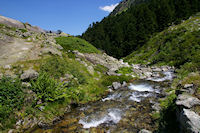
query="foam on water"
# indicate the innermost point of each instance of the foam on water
(168, 76)
(113, 115)
(141, 87)
(112, 97)
(137, 97)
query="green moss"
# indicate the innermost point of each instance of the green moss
(75, 43)
(125, 70)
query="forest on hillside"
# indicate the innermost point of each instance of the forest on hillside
(122, 34)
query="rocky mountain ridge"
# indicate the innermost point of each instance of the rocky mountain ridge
(124, 5)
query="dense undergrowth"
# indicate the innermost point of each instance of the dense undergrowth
(11, 99)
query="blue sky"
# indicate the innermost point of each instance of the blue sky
(71, 16)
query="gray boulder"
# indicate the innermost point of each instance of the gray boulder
(189, 121)
(90, 70)
(188, 86)
(187, 101)
(29, 75)
(157, 69)
(148, 74)
(52, 51)
(124, 84)
(144, 131)
(116, 85)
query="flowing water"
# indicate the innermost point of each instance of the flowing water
(127, 109)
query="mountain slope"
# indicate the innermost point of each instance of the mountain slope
(121, 34)
(43, 74)
(125, 5)
(178, 45)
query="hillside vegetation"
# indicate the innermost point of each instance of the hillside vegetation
(74, 43)
(124, 5)
(121, 34)
(177, 46)
(41, 76)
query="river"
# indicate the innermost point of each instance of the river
(128, 109)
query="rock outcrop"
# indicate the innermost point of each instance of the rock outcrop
(188, 118)
(190, 121)
(107, 61)
(187, 101)
(11, 22)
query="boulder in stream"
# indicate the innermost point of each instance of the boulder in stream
(116, 85)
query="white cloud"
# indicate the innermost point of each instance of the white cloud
(108, 8)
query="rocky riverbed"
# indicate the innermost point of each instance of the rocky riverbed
(127, 108)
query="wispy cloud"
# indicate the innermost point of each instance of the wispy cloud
(108, 8)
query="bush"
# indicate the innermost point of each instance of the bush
(55, 66)
(75, 94)
(168, 101)
(47, 89)
(58, 67)
(11, 97)
(125, 70)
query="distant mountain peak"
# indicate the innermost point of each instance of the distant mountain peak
(124, 5)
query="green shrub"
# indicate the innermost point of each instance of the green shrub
(125, 70)
(11, 97)
(47, 89)
(75, 94)
(168, 101)
(75, 43)
(57, 67)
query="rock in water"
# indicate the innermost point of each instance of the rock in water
(116, 85)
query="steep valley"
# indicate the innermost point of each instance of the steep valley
(53, 82)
